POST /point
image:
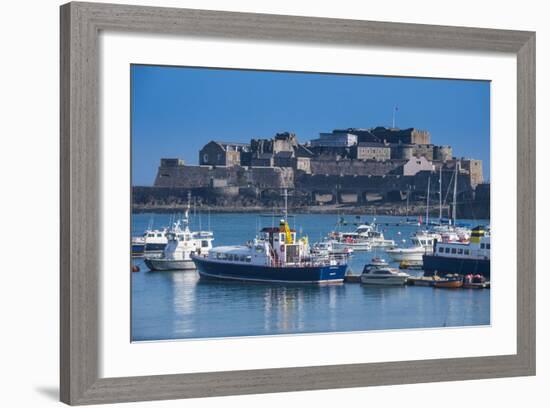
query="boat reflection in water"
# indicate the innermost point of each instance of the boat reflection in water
(285, 308)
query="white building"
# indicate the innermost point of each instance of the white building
(416, 164)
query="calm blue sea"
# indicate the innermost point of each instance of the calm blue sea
(178, 305)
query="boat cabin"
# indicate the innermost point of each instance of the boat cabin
(479, 247)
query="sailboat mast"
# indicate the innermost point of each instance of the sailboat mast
(454, 193)
(408, 194)
(186, 220)
(428, 202)
(440, 205)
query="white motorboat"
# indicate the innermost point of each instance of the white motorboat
(422, 243)
(152, 242)
(351, 243)
(379, 273)
(364, 238)
(182, 244)
(329, 247)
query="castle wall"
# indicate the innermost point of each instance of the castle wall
(425, 150)
(207, 176)
(353, 167)
(402, 151)
(442, 153)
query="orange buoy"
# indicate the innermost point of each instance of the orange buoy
(135, 268)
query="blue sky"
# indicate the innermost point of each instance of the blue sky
(177, 110)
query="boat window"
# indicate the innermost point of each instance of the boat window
(248, 259)
(440, 249)
(482, 246)
(466, 252)
(204, 243)
(453, 251)
(447, 250)
(488, 246)
(151, 235)
(159, 235)
(460, 251)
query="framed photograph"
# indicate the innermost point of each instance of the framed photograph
(261, 203)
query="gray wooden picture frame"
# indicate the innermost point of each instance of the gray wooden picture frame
(80, 191)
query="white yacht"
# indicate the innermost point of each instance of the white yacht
(364, 238)
(379, 273)
(152, 242)
(182, 244)
(329, 247)
(422, 243)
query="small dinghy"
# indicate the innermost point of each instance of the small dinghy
(449, 282)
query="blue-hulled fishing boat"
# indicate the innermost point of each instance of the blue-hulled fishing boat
(275, 255)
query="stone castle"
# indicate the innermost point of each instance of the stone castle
(347, 166)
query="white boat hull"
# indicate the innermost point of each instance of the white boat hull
(357, 246)
(400, 255)
(160, 264)
(382, 244)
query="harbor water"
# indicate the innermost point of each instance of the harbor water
(179, 305)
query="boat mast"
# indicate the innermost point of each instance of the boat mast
(440, 205)
(186, 219)
(428, 202)
(454, 193)
(285, 195)
(408, 194)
